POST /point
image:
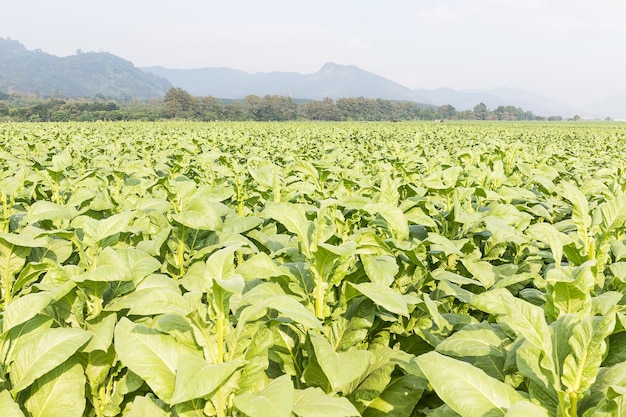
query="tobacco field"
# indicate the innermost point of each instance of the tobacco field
(312, 270)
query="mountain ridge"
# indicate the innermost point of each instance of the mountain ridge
(82, 75)
(103, 74)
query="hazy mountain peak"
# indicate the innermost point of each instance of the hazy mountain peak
(81, 75)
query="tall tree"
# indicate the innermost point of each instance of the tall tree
(480, 111)
(178, 103)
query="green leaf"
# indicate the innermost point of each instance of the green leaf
(481, 340)
(43, 352)
(46, 210)
(380, 269)
(394, 216)
(613, 215)
(259, 266)
(525, 319)
(195, 378)
(313, 402)
(152, 355)
(567, 298)
(199, 214)
(482, 271)
(275, 400)
(580, 210)
(466, 389)
(147, 406)
(8, 407)
(398, 399)
(385, 297)
(547, 233)
(22, 309)
(526, 409)
(60, 392)
(588, 346)
(293, 217)
(98, 230)
(339, 368)
(289, 307)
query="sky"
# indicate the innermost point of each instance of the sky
(569, 50)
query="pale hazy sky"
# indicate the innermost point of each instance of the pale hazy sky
(571, 50)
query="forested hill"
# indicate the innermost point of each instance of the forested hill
(81, 75)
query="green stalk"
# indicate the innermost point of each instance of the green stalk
(7, 283)
(5, 212)
(221, 405)
(181, 253)
(573, 409)
(319, 294)
(239, 213)
(97, 404)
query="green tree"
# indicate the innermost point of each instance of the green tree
(447, 111)
(178, 103)
(210, 108)
(320, 110)
(480, 111)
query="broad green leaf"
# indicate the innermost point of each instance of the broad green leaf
(567, 298)
(22, 309)
(275, 400)
(46, 210)
(152, 355)
(547, 233)
(289, 307)
(97, 230)
(195, 378)
(313, 402)
(466, 389)
(588, 345)
(380, 269)
(612, 214)
(482, 271)
(60, 392)
(8, 407)
(394, 217)
(21, 240)
(221, 264)
(526, 409)
(481, 340)
(259, 266)
(101, 328)
(147, 406)
(110, 266)
(340, 368)
(385, 297)
(525, 319)
(43, 352)
(398, 399)
(199, 214)
(580, 210)
(293, 217)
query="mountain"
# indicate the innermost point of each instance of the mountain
(81, 75)
(332, 80)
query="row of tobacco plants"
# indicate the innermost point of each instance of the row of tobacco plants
(334, 270)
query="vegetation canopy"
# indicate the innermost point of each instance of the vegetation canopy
(312, 269)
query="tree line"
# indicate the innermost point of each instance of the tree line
(179, 104)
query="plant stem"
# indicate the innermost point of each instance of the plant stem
(573, 409)
(220, 358)
(181, 253)
(319, 294)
